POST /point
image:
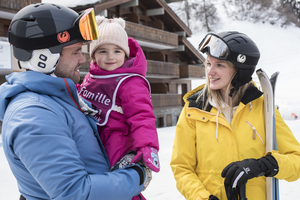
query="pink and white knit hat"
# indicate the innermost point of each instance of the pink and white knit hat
(111, 31)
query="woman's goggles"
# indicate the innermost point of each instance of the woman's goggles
(87, 24)
(215, 46)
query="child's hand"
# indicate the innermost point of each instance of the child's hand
(150, 157)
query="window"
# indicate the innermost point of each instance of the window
(6, 30)
(160, 122)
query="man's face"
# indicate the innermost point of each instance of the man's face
(69, 62)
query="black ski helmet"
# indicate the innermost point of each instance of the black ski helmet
(237, 48)
(43, 26)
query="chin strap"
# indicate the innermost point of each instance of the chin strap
(241, 77)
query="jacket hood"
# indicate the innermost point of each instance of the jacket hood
(139, 65)
(19, 82)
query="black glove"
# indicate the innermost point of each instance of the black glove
(212, 197)
(236, 174)
(237, 193)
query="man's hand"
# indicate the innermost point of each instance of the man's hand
(148, 177)
(126, 160)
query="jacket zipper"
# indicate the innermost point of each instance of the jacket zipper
(254, 132)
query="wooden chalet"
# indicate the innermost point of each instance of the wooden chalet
(172, 61)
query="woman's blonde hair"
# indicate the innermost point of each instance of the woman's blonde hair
(216, 96)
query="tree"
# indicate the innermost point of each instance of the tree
(208, 14)
(204, 11)
(271, 11)
(291, 10)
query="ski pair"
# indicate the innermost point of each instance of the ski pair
(268, 87)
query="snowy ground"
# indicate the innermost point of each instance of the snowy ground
(163, 185)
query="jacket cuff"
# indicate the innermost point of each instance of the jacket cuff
(140, 171)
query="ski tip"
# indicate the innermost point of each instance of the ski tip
(259, 70)
(275, 74)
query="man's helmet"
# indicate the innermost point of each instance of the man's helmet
(235, 47)
(39, 32)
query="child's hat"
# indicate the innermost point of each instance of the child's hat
(111, 31)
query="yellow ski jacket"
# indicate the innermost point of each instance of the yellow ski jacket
(204, 145)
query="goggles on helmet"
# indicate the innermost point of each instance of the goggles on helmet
(216, 47)
(87, 24)
(219, 49)
(84, 29)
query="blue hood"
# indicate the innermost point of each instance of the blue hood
(21, 82)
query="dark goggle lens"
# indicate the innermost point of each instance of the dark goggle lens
(87, 25)
(215, 46)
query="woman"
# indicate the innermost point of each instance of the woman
(220, 132)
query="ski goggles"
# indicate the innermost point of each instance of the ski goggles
(87, 24)
(215, 46)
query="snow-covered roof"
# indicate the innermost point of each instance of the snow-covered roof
(73, 3)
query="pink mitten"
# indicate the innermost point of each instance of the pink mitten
(150, 157)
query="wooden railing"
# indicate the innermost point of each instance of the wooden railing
(166, 100)
(16, 5)
(146, 33)
(163, 69)
(192, 71)
(154, 68)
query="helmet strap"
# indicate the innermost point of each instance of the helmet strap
(242, 77)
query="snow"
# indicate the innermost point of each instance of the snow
(71, 3)
(280, 49)
(163, 185)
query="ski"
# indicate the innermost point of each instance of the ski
(268, 88)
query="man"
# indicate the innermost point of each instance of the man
(52, 147)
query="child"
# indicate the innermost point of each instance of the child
(117, 88)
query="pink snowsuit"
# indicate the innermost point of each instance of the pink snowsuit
(128, 122)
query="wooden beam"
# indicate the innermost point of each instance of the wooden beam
(131, 3)
(180, 48)
(155, 11)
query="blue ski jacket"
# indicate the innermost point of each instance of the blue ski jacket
(52, 148)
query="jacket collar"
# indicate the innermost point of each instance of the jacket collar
(251, 94)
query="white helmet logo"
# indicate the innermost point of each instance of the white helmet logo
(241, 58)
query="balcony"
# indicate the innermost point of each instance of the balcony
(192, 71)
(151, 37)
(155, 69)
(166, 100)
(15, 5)
(160, 69)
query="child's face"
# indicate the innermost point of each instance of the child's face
(109, 57)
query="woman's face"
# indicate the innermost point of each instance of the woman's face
(219, 74)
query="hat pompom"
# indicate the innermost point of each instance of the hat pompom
(120, 21)
(99, 19)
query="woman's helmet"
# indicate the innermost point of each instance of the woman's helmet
(39, 32)
(235, 47)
